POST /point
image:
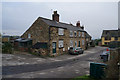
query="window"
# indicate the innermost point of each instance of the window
(87, 39)
(106, 43)
(71, 33)
(60, 43)
(107, 32)
(75, 43)
(82, 42)
(79, 33)
(116, 38)
(82, 34)
(107, 38)
(75, 33)
(71, 43)
(29, 35)
(61, 31)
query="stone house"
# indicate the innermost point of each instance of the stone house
(88, 40)
(110, 35)
(58, 36)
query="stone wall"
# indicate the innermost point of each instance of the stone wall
(54, 37)
(39, 32)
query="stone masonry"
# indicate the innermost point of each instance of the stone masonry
(46, 31)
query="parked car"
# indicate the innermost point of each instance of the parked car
(77, 50)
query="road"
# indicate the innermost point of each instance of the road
(64, 66)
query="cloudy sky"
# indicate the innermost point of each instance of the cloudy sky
(17, 17)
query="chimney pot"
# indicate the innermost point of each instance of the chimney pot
(55, 16)
(78, 24)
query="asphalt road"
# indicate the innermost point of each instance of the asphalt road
(76, 65)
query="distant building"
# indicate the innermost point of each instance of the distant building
(88, 40)
(110, 35)
(5, 38)
(56, 36)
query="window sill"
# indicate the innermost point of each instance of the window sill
(61, 47)
(61, 35)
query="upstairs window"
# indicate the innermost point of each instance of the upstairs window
(82, 42)
(61, 31)
(75, 33)
(79, 34)
(116, 38)
(60, 43)
(71, 33)
(82, 34)
(29, 35)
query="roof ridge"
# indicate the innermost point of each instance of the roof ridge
(59, 22)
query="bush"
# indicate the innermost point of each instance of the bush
(7, 48)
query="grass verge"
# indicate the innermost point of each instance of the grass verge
(85, 77)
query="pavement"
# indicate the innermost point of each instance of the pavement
(64, 66)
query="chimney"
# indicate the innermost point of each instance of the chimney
(78, 24)
(55, 16)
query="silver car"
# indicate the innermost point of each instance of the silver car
(77, 50)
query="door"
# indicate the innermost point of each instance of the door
(54, 47)
(75, 44)
(79, 44)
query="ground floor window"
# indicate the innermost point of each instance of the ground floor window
(106, 43)
(60, 43)
(78, 43)
(75, 43)
(71, 43)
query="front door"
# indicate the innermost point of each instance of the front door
(54, 47)
(79, 44)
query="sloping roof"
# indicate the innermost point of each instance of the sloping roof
(22, 40)
(60, 24)
(87, 35)
(110, 33)
(5, 36)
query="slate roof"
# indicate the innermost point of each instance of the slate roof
(23, 40)
(60, 24)
(110, 33)
(87, 35)
(5, 36)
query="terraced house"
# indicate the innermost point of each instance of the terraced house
(55, 36)
(110, 35)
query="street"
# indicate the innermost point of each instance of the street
(64, 66)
